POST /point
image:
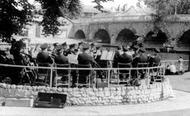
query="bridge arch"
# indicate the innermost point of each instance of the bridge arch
(155, 37)
(184, 39)
(126, 36)
(80, 34)
(102, 36)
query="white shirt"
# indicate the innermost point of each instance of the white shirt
(73, 58)
(172, 68)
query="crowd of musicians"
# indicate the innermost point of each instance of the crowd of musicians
(76, 55)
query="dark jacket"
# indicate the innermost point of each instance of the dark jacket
(43, 57)
(85, 59)
(142, 58)
(61, 59)
(125, 58)
(154, 61)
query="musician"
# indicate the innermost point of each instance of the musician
(84, 58)
(80, 47)
(117, 55)
(18, 51)
(154, 60)
(141, 57)
(125, 57)
(92, 49)
(43, 56)
(85, 61)
(73, 63)
(54, 50)
(6, 58)
(71, 49)
(60, 58)
(65, 48)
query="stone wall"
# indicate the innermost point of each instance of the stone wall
(95, 96)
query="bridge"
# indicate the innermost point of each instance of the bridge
(113, 27)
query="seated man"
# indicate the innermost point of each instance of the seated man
(154, 60)
(60, 58)
(84, 61)
(60, 61)
(141, 58)
(43, 56)
(125, 57)
(45, 60)
(124, 61)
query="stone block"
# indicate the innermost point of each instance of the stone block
(13, 102)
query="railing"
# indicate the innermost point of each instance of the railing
(96, 77)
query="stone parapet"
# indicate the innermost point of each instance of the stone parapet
(95, 96)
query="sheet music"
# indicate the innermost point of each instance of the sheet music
(104, 55)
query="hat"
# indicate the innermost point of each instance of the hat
(20, 44)
(142, 50)
(64, 44)
(55, 44)
(59, 48)
(44, 46)
(85, 47)
(92, 44)
(72, 46)
(125, 48)
(80, 43)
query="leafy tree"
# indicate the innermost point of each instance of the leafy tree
(13, 17)
(98, 4)
(168, 7)
(15, 14)
(183, 7)
(53, 9)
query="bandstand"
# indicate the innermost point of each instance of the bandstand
(111, 94)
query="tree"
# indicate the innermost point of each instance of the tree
(98, 4)
(14, 15)
(53, 9)
(168, 7)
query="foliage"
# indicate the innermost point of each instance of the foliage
(98, 4)
(183, 7)
(168, 7)
(13, 17)
(53, 9)
(165, 8)
(15, 14)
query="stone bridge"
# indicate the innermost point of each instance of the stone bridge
(110, 29)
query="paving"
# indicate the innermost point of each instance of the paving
(178, 106)
(180, 82)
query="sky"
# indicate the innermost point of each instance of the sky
(111, 3)
(106, 4)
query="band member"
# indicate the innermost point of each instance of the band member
(85, 61)
(65, 49)
(60, 58)
(73, 63)
(43, 56)
(125, 57)
(154, 60)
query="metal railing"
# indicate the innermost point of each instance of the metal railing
(97, 76)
